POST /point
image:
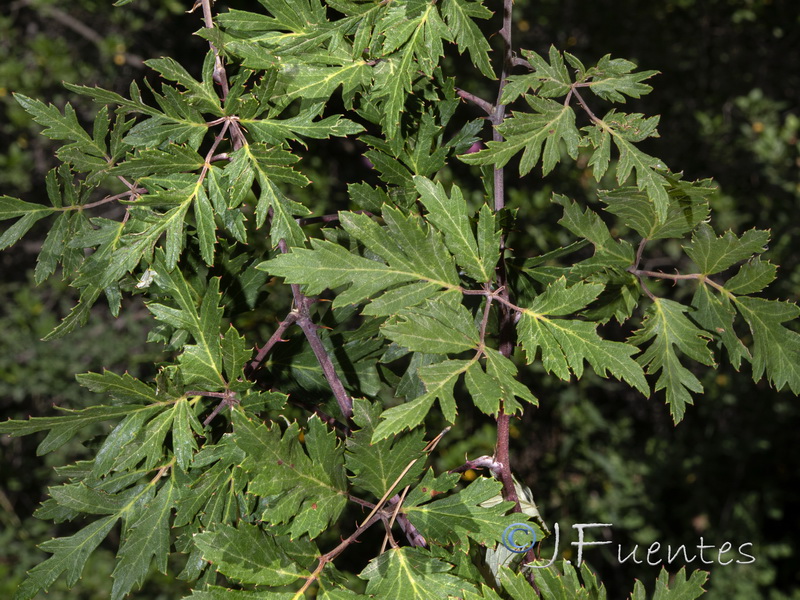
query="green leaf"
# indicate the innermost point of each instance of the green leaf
(235, 353)
(54, 246)
(102, 96)
(277, 131)
(81, 498)
(69, 554)
(753, 276)
(30, 213)
(489, 237)
(200, 93)
(404, 416)
(246, 554)
(329, 265)
(516, 584)
(549, 125)
(555, 583)
(715, 254)
(201, 362)
(714, 313)
(153, 161)
(270, 165)
(121, 439)
(77, 316)
(618, 300)
(413, 574)
(483, 389)
(449, 215)
(439, 380)
(666, 324)
(390, 169)
(297, 17)
(400, 298)
(214, 592)
(411, 255)
(559, 300)
(123, 387)
(14, 207)
(310, 490)
(625, 130)
(776, 349)
(146, 539)
(435, 327)
(454, 519)
(567, 343)
(148, 446)
(612, 78)
(497, 382)
(206, 228)
(63, 428)
(184, 422)
(313, 82)
(550, 80)
(609, 253)
(377, 465)
(413, 34)
(62, 127)
(459, 15)
(216, 489)
(638, 213)
(674, 586)
(163, 128)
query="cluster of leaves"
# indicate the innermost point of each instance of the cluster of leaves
(424, 291)
(43, 45)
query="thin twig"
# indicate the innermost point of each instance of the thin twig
(310, 330)
(647, 291)
(507, 330)
(516, 61)
(677, 277)
(328, 370)
(215, 144)
(585, 106)
(487, 107)
(395, 512)
(287, 322)
(137, 191)
(482, 462)
(365, 524)
(639, 252)
(506, 322)
(209, 394)
(499, 113)
(227, 398)
(485, 319)
(221, 76)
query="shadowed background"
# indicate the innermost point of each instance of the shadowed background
(594, 451)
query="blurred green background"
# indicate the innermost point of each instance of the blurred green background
(594, 451)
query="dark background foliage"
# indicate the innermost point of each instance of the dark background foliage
(594, 451)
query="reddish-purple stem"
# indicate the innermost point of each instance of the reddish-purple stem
(287, 322)
(506, 325)
(309, 328)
